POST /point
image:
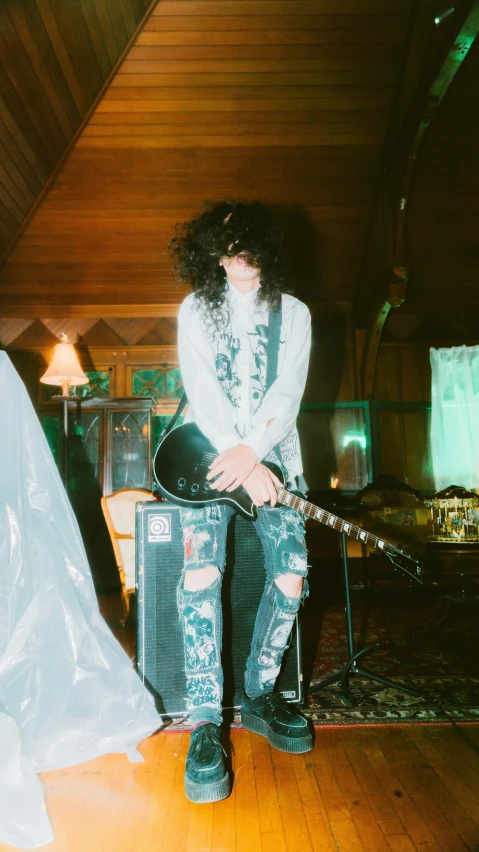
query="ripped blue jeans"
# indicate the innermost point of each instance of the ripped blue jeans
(282, 534)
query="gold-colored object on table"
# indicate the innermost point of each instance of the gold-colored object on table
(454, 515)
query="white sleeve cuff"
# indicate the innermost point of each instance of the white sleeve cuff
(226, 440)
(255, 440)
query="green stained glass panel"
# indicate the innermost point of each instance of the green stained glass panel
(162, 383)
(98, 385)
(174, 386)
(142, 379)
(159, 422)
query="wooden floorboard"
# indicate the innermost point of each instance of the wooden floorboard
(292, 808)
(384, 812)
(398, 788)
(248, 831)
(395, 792)
(419, 777)
(270, 815)
(449, 761)
(339, 815)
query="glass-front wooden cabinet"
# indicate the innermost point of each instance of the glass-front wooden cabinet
(108, 447)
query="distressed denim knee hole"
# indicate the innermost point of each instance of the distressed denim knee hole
(184, 596)
(286, 603)
(290, 584)
(211, 575)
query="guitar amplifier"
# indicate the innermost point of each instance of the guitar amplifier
(159, 564)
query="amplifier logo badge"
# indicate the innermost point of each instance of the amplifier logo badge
(159, 528)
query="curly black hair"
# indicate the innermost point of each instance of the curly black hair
(229, 228)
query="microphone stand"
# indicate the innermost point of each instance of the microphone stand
(351, 667)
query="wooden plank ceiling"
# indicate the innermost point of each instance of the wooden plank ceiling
(283, 100)
(287, 101)
(55, 58)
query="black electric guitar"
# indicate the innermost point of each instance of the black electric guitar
(182, 462)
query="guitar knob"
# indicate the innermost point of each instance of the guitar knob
(181, 482)
(206, 486)
(194, 488)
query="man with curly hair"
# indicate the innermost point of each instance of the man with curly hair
(231, 255)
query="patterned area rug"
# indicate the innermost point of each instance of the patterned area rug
(428, 638)
(428, 643)
(439, 700)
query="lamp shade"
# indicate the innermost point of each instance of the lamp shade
(64, 367)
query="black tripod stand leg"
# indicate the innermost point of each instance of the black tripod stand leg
(335, 678)
(343, 674)
(351, 664)
(341, 677)
(350, 668)
(364, 673)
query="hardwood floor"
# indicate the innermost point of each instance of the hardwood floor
(399, 788)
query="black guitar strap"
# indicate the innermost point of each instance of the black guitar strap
(183, 401)
(272, 351)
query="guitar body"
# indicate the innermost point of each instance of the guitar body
(181, 464)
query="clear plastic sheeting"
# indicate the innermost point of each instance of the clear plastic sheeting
(23, 816)
(68, 691)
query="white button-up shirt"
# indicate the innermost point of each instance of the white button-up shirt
(224, 374)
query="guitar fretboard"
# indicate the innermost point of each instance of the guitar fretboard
(333, 521)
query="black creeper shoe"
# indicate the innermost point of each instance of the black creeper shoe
(206, 776)
(274, 718)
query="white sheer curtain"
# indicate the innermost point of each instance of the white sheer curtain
(455, 416)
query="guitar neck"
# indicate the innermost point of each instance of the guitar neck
(330, 520)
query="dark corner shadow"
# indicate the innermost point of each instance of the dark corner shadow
(159, 705)
(85, 497)
(302, 250)
(303, 246)
(85, 356)
(325, 588)
(331, 332)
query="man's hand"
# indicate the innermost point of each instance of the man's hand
(232, 467)
(262, 486)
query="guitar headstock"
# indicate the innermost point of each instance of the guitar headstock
(403, 561)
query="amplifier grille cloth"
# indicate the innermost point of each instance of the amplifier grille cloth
(159, 639)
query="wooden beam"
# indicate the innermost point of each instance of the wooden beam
(396, 295)
(161, 308)
(158, 309)
(423, 113)
(397, 175)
